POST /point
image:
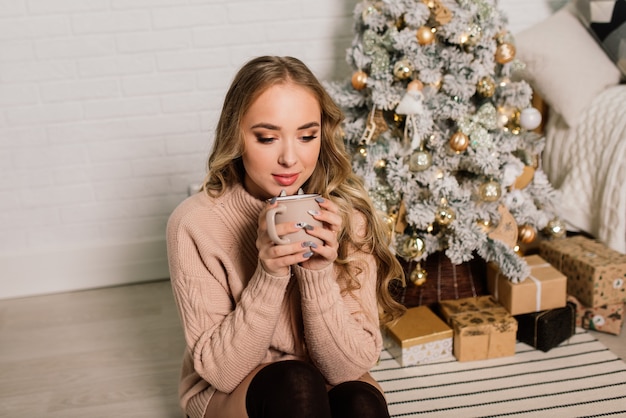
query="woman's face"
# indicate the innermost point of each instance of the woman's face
(282, 136)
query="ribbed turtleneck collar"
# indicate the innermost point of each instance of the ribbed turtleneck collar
(236, 201)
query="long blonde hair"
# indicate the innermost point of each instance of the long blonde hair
(332, 177)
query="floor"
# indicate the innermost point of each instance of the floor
(111, 352)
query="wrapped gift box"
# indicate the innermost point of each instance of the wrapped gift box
(546, 329)
(417, 337)
(482, 328)
(606, 318)
(545, 288)
(595, 273)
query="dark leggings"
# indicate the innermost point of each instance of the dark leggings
(292, 388)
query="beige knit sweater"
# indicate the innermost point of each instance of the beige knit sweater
(236, 316)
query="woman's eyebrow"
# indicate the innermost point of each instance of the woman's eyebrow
(266, 126)
(309, 125)
(277, 128)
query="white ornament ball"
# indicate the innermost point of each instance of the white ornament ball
(530, 118)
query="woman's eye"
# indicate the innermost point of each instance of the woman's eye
(309, 137)
(265, 139)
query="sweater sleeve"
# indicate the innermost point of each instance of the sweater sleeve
(342, 329)
(226, 341)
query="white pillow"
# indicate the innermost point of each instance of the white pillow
(564, 64)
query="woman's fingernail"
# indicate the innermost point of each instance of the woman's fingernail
(309, 244)
(308, 227)
(313, 212)
(283, 192)
(308, 254)
(273, 200)
(301, 225)
(319, 199)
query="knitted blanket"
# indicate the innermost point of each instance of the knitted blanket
(587, 165)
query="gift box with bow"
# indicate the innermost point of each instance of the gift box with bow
(545, 288)
(482, 328)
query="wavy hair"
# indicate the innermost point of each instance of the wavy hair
(332, 177)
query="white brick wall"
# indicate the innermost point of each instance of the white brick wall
(523, 14)
(106, 116)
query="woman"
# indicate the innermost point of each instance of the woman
(280, 330)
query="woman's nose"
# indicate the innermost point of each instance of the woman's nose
(287, 155)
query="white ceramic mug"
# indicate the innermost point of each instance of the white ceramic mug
(294, 209)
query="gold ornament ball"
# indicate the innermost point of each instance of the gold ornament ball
(486, 87)
(418, 276)
(359, 80)
(556, 228)
(425, 35)
(459, 142)
(413, 247)
(513, 124)
(403, 69)
(505, 53)
(526, 234)
(445, 216)
(484, 224)
(490, 191)
(420, 160)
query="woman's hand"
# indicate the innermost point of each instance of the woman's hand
(276, 258)
(329, 233)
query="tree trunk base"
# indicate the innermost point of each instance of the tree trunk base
(445, 281)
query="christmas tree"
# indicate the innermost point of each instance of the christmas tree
(441, 131)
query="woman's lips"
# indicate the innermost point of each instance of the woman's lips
(285, 179)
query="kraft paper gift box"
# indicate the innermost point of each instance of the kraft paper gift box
(418, 337)
(546, 329)
(483, 328)
(606, 318)
(545, 288)
(595, 273)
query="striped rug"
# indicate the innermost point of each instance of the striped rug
(581, 377)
